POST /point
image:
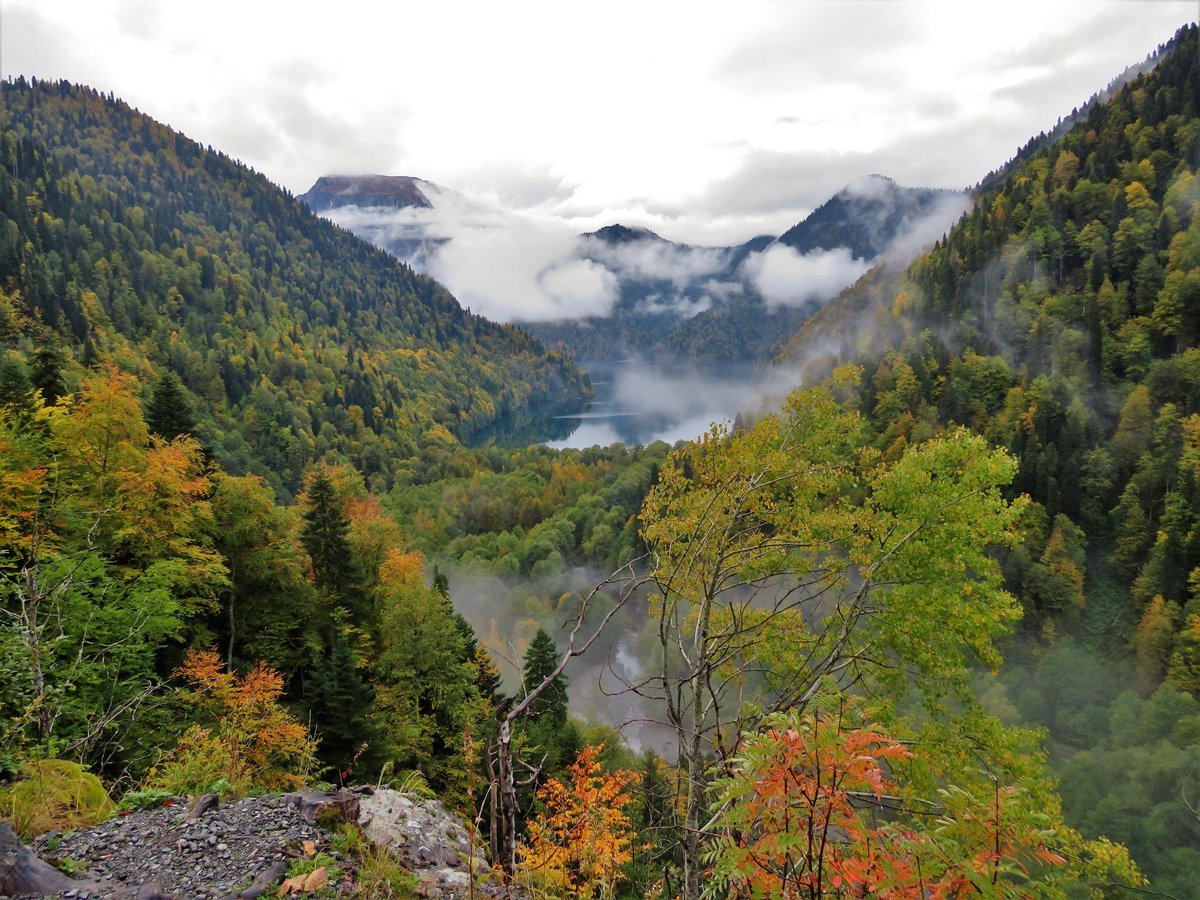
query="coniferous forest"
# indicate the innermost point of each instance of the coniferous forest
(930, 630)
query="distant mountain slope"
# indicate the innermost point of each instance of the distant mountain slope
(669, 300)
(865, 216)
(122, 239)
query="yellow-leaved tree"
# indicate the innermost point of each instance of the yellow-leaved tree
(583, 837)
(247, 740)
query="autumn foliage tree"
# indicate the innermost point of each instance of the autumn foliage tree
(105, 559)
(247, 739)
(583, 836)
(791, 559)
(813, 809)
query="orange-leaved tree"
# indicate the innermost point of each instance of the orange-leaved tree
(583, 837)
(812, 810)
(249, 741)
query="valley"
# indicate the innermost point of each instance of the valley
(858, 558)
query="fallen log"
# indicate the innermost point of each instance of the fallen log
(22, 872)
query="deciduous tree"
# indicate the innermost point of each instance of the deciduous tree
(789, 560)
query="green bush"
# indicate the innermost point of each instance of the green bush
(53, 795)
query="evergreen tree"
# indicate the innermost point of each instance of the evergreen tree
(169, 414)
(324, 536)
(541, 659)
(338, 698)
(16, 392)
(48, 361)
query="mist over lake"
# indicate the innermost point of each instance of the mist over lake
(639, 402)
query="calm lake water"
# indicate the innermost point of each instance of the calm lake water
(639, 403)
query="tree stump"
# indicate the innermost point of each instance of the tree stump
(311, 804)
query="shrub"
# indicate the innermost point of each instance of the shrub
(252, 744)
(381, 875)
(53, 794)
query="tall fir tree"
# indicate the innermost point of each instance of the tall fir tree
(169, 414)
(324, 536)
(541, 659)
(48, 361)
(338, 699)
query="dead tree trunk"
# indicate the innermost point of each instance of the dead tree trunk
(502, 792)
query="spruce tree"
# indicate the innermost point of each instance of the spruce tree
(48, 361)
(169, 414)
(325, 538)
(16, 392)
(338, 698)
(541, 659)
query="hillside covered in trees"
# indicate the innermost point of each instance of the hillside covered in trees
(843, 618)
(1061, 319)
(292, 339)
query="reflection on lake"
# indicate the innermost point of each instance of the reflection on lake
(639, 403)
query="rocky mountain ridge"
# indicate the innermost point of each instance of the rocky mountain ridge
(667, 299)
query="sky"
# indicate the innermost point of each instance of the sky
(708, 122)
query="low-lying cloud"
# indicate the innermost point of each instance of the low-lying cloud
(657, 260)
(918, 236)
(580, 287)
(785, 277)
(536, 265)
(504, 265)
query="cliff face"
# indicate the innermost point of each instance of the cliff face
(392, 191)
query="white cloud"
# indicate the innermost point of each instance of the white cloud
(580, 288)
(657, 260)
(506, 265)
(919, 235)
(787, 278)
(724, 127)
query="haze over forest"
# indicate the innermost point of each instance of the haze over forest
(357, 383)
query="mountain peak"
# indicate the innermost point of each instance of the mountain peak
(396, 191)
(623, 234)
(866, 216)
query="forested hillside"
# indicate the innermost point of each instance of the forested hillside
(833, 626)
(1061, 319)
(124, 240)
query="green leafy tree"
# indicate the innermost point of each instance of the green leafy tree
(428, 693)
(789, 560)
(268, 609)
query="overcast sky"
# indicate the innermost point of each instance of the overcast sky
(709, 122)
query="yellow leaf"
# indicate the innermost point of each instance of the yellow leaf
(302, 884)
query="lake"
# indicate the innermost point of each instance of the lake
(638, 402)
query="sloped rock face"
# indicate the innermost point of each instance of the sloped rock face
(393, 191)
(433, 843)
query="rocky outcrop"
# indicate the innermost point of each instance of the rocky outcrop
(433, 843)
(236, 850)
(390, 191)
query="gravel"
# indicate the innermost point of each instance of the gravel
(215, 856)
